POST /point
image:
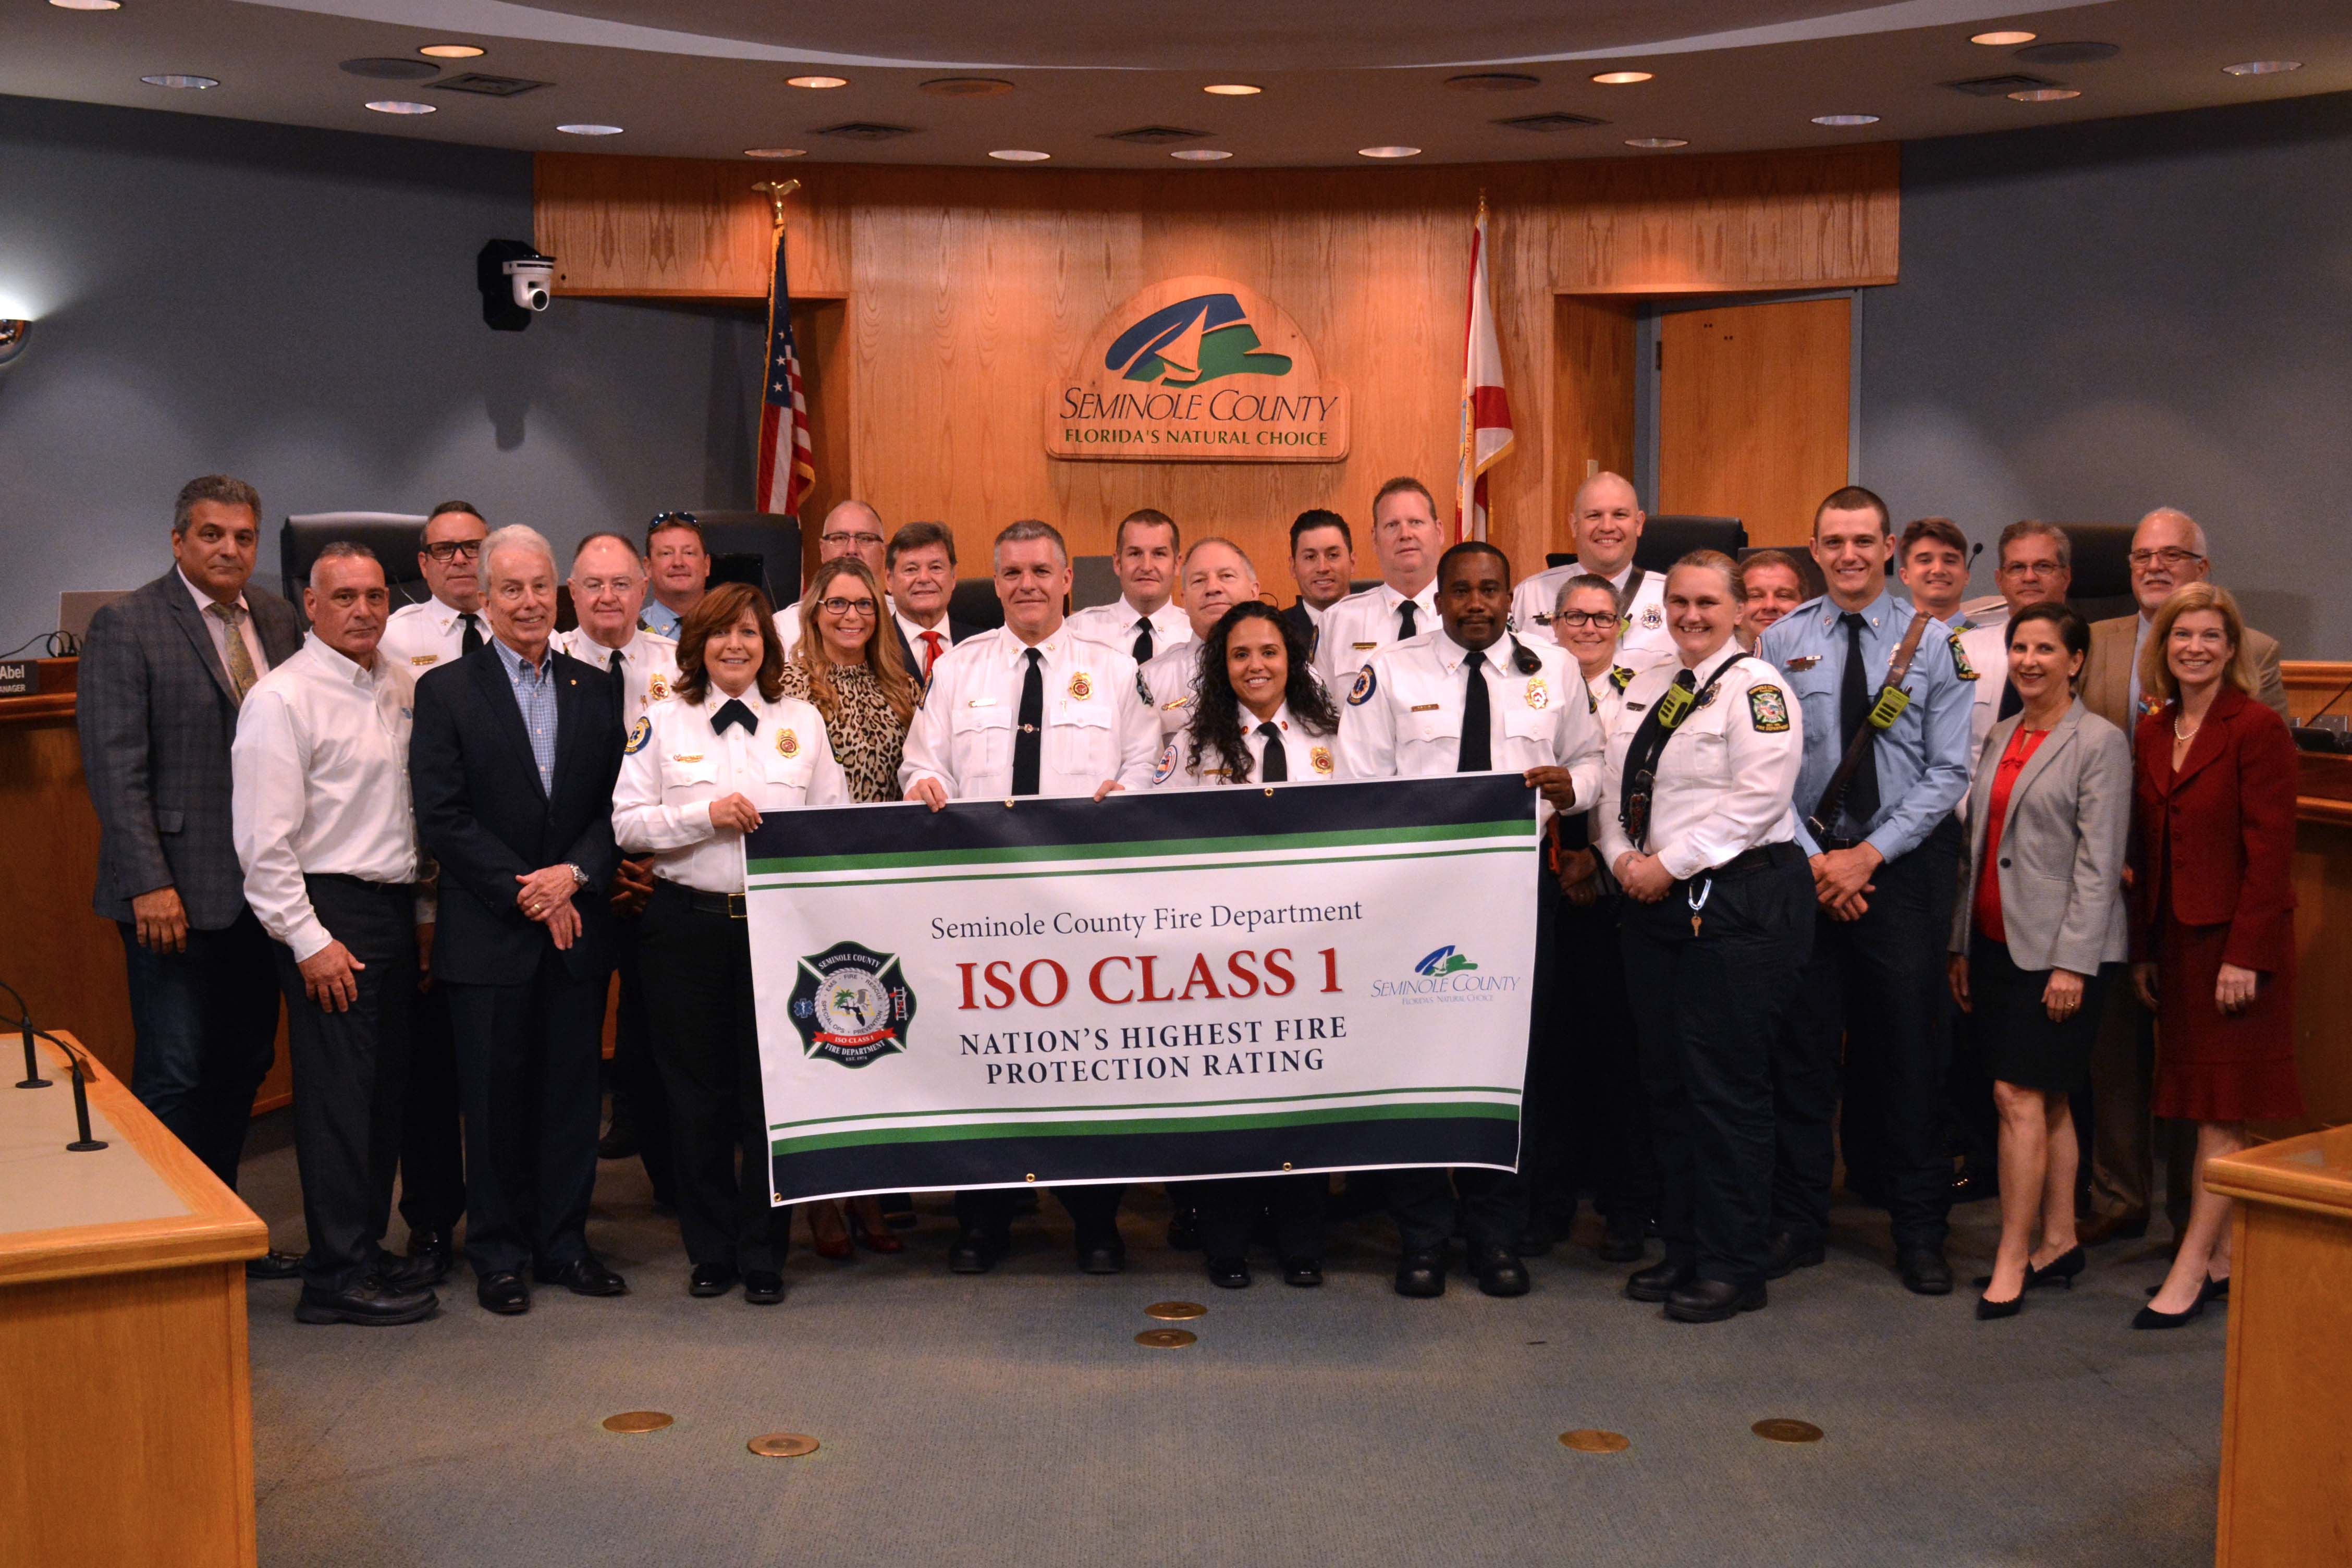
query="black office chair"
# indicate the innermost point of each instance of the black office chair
(2102, 589)
(393, 536)
(762, 548)
(974, 604)
(1667, 539)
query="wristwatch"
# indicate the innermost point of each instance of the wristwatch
(579, 877)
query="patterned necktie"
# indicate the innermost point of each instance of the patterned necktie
(1027, 738)
(1143, 640)
(930, 652)
(1277, 761)
(241, 673)
(472, 637)
(733, 711)
(1477, 752)
(1408, 621)
(1854, 712)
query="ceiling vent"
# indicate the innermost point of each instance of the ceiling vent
(864, 130)
(1549, 123)
(381, 68)
(1156, 136)
(1999, 86)
(489, 86)
(1494, 82)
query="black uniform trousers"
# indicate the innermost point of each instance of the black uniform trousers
(636, 1075)
(1230, 1206)
(527, 1063)
(1093, 1209)
(350, 1076)
(432, 1139)
(1709, 1006)
(1876, 985)
(706, 1041)
(1589, 1080)
(205, 1022)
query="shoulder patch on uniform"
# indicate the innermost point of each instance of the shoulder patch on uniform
(1960, 665)
(1165, 769)
(638, 736)
(1366, 684)
(1767, 707)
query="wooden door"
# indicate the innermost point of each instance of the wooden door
(1752, 405)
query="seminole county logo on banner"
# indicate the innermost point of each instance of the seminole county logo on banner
(1198, 369)
(1162, 986)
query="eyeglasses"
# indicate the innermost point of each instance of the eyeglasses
(2143, 558)
(863, 540)
(450, 549)
(840, 606)
(2036, 568)
(1584, 619)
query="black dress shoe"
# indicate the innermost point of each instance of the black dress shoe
(410, 1273)
(1713, 1300)
(1500, 1272)
(1421, 1274)
(274, 1265)
(1660, 1280)
(1785, 1257)
(620, 1141)
(1924, 1270)
(1304, 1272)
(710, 1279)
(371, 1304)
(506, 1293)
(1184, 1228)
(1534, 1242)
(432, 1248)
(974, 1252)
(1623, 1243)
(1104, 1257)
(763, 1286)
(583, 1277)
(1229, 1273)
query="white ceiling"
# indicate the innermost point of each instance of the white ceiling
(706, 78)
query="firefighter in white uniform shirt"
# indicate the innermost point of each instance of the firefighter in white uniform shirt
(1416, 710)
(696, 774)
(1146, 620)
(1406, 539)
(451, 623)
(608, 588)
(1606, 521)
(1715, 927)
(1217, 577)
(1030, 709)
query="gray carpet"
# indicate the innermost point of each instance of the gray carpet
(1013, 1419)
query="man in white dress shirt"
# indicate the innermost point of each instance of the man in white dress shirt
(851, 529)
(608, 590)
(1606, 519)
(1407, 539)
(1217, 577)
(1145, 621)
(328, 840)
(450, 623)
(1031, 709)
(1322, 564)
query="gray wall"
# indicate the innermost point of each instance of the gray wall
(2093, 321)
(298, 307)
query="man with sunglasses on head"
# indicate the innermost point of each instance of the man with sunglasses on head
(677, 570)
(450, 623)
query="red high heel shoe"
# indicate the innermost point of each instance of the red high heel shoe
(830, 1242)
(871, 1239)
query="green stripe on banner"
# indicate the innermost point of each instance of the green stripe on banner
(1152, 849)
(976, 1132)
(994, 1110)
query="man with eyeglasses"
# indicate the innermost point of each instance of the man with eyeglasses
(450, 623)
(854, 528)
(2168, 552)
(678, 571)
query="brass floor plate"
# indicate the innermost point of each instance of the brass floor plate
(639, 1421)
(1592, 1440)
(1175, 1311)
(1782, 1429)
(1167, 1339)
(782, 1445)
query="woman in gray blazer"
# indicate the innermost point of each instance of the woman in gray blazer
(2036, 932)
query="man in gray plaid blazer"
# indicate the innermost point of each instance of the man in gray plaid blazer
(163, 672)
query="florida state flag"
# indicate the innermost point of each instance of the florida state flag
(1486, 407)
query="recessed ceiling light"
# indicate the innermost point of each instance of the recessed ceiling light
(1624, 78)
(816, 81)
(1201, 154)
(1019, 155)
(453, 51)
(1997, 40)
(1387, 152)
(590, 130)
(2046, 94)
(1845, 119)
(87, 5)
(2248, 67)
(1234, 90)
(399, 106)
(1652, 143)
(174, 78)
(775, 151)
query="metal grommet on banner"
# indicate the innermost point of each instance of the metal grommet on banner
(1285, 1164)
(1008, 805)
(1270, 792)
(1031, 1176)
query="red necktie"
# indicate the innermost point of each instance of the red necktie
(930, 652)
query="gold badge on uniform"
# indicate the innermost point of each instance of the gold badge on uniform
(658, 689)
(1539, 694)
(1320, 759)
(1082, 686)
(788, 746)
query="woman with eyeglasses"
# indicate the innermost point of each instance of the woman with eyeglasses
(1259, 717)
(698, 772)
(847, 663)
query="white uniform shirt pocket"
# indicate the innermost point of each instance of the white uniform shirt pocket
(787, 777)
(1082, 740)
(1527, 736)
(981, 739)
(693, 778)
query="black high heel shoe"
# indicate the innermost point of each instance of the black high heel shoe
(1988, 1309)
(2059, 1272)
(2215, 1290)
(2149, 1318)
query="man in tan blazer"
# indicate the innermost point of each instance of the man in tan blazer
(2168, 552)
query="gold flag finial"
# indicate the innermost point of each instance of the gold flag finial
(776, 191)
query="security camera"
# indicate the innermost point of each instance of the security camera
(513, 277)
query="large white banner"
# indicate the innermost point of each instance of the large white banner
(1161, 986)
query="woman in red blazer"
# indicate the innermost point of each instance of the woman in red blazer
(2213, 927)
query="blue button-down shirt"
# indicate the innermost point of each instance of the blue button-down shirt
(659, 618)
(534, 690)
(1922, 761)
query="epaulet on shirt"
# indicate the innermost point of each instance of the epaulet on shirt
(1620, 677)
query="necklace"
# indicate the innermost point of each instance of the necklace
(2188, 734)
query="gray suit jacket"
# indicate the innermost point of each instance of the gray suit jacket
(156, 718)
(2062, 846)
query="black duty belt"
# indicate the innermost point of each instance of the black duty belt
(1763, 858)
(728, 904)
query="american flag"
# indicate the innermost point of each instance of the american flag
(787, 460)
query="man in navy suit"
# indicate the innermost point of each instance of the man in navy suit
(513, 757)
(920, 572)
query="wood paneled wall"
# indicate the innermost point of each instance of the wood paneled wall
(967, 291)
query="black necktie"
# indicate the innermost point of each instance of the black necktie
(2010, 702)
(1277, 761)
(1143, 640)
(1477, 717)
(472, 638)
(732, 712)
(1854, 712)
(1026, 739)
(620, 686)
(1407, 624)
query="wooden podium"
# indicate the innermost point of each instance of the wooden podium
(126, 1412)
(2286, 1414)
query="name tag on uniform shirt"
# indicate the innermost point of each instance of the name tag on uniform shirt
(1806, 662)
(1425, 706)
(1366, 646)
(980, 703)
(425, 658)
